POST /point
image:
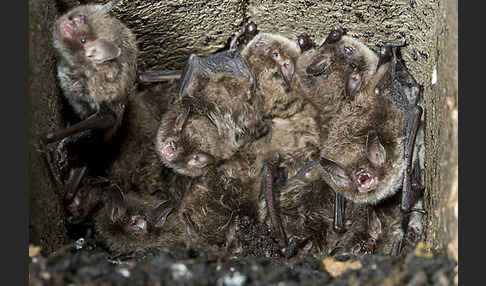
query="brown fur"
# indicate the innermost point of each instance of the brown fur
(122, 241)
(85, 84)
(222, 118)
(346, 143)
(306, 204)
(137, 166)
(326, 92)
(216, 200)
(294, 132)
(198, 136)
(205, 214)
(294, 135)
(278, 99)
(345, 122)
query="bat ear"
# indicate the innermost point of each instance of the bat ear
(105, 8)
(101, 50)
(353, 84)
(375, 151)
(287, 69)
(117, 207)
(200, 160)
(375, 225)
(161, 212)
(319, 65)
(336, 174)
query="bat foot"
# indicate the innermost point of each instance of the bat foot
(397, 243)
(366, 247)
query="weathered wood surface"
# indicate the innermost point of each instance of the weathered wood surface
(45, 212)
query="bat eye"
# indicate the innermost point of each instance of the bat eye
(275, 55)
(353, 65)
(83, 39)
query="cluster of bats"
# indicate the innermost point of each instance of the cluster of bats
(319, 145)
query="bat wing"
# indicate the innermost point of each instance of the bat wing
(159, 75)
(226, 62)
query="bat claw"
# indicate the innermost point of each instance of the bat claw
(291, 247)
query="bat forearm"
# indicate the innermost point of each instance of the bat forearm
(411, 129)
(339, 207)
(96, 121)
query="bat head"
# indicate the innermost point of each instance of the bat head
(340, 49)
(278, 51)
(134, 215)
(87, 32)
(180, 155)
(370, 179)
